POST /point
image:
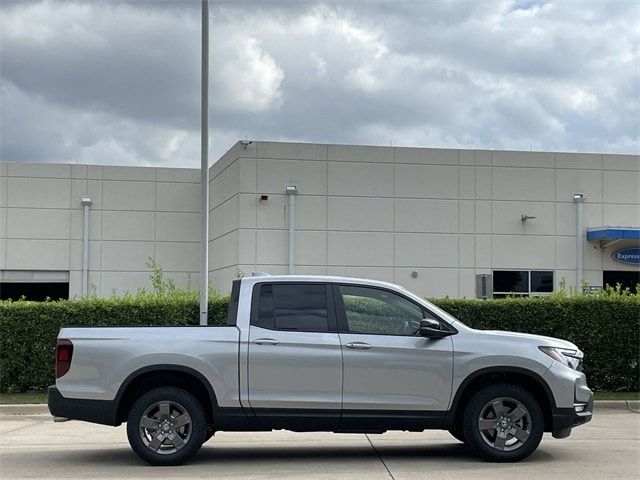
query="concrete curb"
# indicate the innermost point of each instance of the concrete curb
(42, 409)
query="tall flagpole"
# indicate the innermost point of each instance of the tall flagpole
(204, 168)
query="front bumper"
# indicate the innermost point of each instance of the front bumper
(565, 419)
(104, 412)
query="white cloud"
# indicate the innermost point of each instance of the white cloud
(109, 82)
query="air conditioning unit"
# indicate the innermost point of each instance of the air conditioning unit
(484, 286)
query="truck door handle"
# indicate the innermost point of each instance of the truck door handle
(358, 346)
(266, 341)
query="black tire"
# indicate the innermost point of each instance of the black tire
(515, 436)
(181, 442)
(457, 432)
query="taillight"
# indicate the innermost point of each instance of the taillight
(64, 352)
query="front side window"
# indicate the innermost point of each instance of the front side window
(375, 311)
(292, 307)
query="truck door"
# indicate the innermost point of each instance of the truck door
(388, 366)
(295, 358)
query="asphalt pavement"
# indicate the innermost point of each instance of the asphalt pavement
(35, 447)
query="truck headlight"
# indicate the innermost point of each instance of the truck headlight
(570, 358)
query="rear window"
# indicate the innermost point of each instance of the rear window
(292, 307)
(232, 313)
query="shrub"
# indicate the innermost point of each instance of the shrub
(606, 328)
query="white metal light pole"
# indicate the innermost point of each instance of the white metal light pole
(579, 199)
(204, 168)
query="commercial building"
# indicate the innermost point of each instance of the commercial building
(434, 220)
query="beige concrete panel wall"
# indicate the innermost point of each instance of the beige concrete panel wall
(297, 151)
(426, 181)
(224, 218)
(77, 224)
(621, 215)
(178, 197)
(592, 161)
(178, 256)
(224, 185)
(311, 212)
(125, 225)
(223, 251)
(622, 187)
(429, 216)
(360, 249)
(309, 176)
(566, 217)
(466, 251)
(484, 216)
(360, 153)
(126, 256)
(126, 195)
(466, 178)
(145, 174)
(360, 179)
(33, 223)
(533, 184)
(483, 183)
(434, 156)
(506, 158)
(37, 254)
(360, 214)
(76, 251)
(38, 192)
(622, 162)
(177, 227)
(484, 257)
(506, 218)
(588, 182)
(426, 250)
(38, 170)
(525, 252)
(431, 282)
(119, 283)
(467, 216)
(385, 274)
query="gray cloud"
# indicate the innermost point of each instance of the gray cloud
(118, 82)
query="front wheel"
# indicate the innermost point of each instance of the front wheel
(166, 426)
(503, 423)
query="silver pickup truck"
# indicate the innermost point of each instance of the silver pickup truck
(314, 353)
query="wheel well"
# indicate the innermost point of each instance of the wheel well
(147, 381)
(531, 384)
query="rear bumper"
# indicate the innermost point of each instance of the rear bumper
(104, 412)
(565, 419)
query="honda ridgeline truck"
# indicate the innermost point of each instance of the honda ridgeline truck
(314, 353)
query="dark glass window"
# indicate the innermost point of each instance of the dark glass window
(293, 307)
(541, 282)
(625, 278)
(511, 281)
(34, 291)
(375, 311)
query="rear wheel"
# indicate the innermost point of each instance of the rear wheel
(166, 426)
(503, 423)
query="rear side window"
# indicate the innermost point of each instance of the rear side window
(292, 307)
(232, 313)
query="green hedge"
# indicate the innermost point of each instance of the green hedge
(606, 328)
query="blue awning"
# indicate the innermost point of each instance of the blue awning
(613, 233)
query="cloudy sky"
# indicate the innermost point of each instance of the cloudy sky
(117, 82)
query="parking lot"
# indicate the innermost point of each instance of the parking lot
(35, 447)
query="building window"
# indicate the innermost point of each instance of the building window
(522, 282)
(34, 291)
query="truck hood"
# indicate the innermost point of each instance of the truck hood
(529, 338)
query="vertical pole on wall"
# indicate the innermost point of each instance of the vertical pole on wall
(86, 203)
(579, 199)
(291, 192)
(204, 168)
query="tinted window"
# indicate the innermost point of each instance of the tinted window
(511, 281)
(300, 307)
(375, 311)
(542, 282)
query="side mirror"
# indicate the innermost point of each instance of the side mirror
(430, 328)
